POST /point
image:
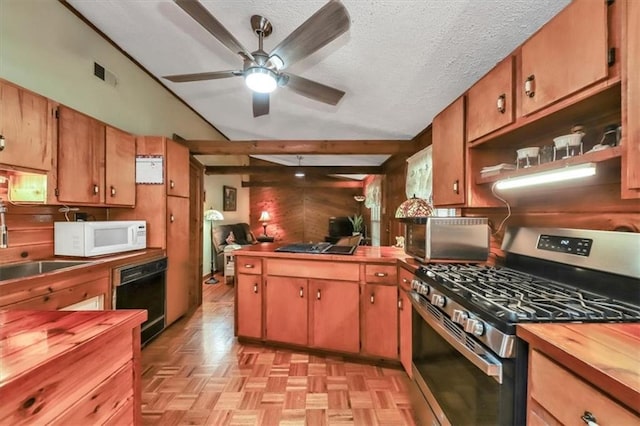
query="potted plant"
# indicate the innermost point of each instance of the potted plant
(356, 221)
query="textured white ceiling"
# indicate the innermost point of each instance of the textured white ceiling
(401, 62)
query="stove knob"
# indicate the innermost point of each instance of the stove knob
(430, 274)
(438, 300)
(460, 316)
(474, 326)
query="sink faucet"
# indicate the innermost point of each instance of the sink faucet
(4, 232)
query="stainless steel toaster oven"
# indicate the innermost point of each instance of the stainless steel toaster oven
(447, 238)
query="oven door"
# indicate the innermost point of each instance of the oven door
(464, 382)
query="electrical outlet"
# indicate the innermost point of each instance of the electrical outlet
(81, 217)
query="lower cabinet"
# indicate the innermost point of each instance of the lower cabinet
(286, 310)
(249, 305)
(380, 320)
(404, 305)
(334, 315)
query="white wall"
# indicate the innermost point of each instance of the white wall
(48, 50)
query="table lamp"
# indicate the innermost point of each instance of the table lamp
(211, 216)
(264, 218)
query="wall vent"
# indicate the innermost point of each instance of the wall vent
(104, 74)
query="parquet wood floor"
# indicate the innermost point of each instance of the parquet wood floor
(196, 373)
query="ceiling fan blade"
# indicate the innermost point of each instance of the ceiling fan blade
(182, 78)
(260, 104)
(200, 14)
(313, 90)
(322, 27)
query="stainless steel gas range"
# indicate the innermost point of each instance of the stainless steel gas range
(467, 361)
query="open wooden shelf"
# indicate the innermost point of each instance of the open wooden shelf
(604, 156)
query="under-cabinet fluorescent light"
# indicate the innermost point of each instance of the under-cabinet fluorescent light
(541, 178)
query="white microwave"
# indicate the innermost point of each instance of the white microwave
(87, 239)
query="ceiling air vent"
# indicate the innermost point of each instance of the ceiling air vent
(104, 74)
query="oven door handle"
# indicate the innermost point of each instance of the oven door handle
(484, 360)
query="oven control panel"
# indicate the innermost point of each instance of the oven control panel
(570, 245)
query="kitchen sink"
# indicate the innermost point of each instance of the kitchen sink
(29, 269)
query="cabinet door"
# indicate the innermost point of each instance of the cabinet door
(335, 315)
(249, 309)
(566, 55)
(177, 169)
(178, 254)
(25, 120)
(490, 101)
(448, 154)
(80, 158)
(405, 331)
(380, 320)
(120, 173)
(631, 102)
(286, 310)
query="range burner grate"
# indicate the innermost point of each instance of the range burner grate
(520, 297)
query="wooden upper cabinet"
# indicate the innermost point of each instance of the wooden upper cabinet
(449, 155)
(81, 158)
(568, 54)
(335, 315)
(490, 103)
(25, 124)
(177, 169)
(631, 102)
(120, 174)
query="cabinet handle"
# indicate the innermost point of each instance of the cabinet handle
(172, 184)
(301, 292)
(113, 191)
(171, 218)
(589, 419)
(501, 103)
(318, 295)
(96, 189)
(530, 86)
(400, 304)
(255, 288)
(372, 298)
(2, 143)
(380, 274)
(248, 265)
(455, 186)
(406, 281)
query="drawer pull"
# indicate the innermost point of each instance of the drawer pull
(2, 143)
(380, 274)
(113, 191)
(172, 218)
(96, 189)
(301, 292)
(501, 103)
(530, 86)
(400, 304)
(255, 288)
(172, 184)
(372, 298)
(248, 265)
(455, 186)
(319, 295)
(589, 419)
(406, 281)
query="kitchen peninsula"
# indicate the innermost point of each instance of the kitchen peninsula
(338, 303)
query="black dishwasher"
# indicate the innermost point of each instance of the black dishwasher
(143, 286)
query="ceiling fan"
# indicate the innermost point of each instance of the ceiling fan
(263, 72)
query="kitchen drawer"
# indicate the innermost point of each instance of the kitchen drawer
(249, 265)
(342, 271)
(99, 405)
(404, 279)
(556, 391)
(381, 274)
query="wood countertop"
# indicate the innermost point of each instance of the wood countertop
(32, 339)
(367, 254)
(606, 355)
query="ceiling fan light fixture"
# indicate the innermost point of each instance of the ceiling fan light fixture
(261, 80)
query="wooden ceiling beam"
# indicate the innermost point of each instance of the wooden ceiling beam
(304, 184)
(300, 147)
(279, 169)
